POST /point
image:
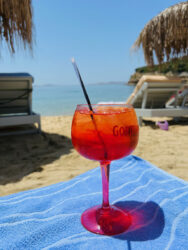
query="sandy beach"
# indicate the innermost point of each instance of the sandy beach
(36, 160)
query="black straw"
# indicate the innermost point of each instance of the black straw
(82, 84)
(90, 107)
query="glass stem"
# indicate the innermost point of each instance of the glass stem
(105, 171)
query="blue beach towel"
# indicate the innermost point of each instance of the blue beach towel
(49, 217)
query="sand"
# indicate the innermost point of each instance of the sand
(35, 160)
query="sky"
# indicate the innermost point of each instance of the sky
(99, 34)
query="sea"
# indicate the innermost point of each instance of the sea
(53, 100)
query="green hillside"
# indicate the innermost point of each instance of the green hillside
(176, 66)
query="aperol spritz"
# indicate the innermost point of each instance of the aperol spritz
(108, 132)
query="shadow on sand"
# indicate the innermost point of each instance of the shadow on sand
(23, 154)
(148, 221)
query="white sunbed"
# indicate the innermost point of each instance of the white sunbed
(151, 95)
(16, 103)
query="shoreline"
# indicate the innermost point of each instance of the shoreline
(38, 160)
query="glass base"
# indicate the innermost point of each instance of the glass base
(106, 221)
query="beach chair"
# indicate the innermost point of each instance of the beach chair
(16, 103)
(151, 94)
(181, 100)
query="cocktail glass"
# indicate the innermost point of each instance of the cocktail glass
(108, 132)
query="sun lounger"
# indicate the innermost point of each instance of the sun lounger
(180, 100)
(16, 103)
(151, 94)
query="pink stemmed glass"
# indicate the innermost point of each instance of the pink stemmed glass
(106, 133)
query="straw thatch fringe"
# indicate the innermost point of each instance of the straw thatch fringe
(166, 35)
(16, 22)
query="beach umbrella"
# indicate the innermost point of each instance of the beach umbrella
(16, 23)
(166, 35)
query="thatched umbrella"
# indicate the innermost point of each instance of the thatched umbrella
(166, 35)
(16, 23)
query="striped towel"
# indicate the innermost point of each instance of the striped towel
(49, 218)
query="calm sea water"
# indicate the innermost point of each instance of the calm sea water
(62, 100)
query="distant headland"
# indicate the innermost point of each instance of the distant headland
(111, 82)
(175, 67)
